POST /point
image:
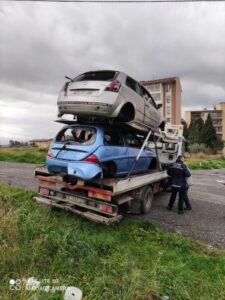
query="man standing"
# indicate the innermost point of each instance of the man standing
(178, 173)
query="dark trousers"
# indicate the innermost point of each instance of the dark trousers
(186, 199)
(183, 197)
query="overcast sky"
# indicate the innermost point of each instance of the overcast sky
(40, 43)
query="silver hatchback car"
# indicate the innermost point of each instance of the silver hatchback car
(107, 94)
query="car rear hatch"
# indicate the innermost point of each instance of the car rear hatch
(71, 152)
(72, 161)
(90, 84)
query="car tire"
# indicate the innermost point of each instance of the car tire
(127, 113)
(146, 201)
(153, 164)
(109, 169)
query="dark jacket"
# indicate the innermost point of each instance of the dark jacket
(178, 172)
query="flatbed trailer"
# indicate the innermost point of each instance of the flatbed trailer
(101, 200)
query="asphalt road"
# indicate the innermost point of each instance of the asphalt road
(206, 222)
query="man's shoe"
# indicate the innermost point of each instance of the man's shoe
(169, 208)
(187, 208)
(180, 212)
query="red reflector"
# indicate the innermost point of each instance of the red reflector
(44, 191)
(50, 154)
(114, 86)
(106, 208)
(92, 158)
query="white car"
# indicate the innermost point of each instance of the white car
(109, 95)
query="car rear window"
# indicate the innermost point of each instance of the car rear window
(98, 76)
(78, 135)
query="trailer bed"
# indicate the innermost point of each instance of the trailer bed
(99, 200)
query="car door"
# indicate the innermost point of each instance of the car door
(134, 146)
(132, 94)
(151, 114)
(114, 150)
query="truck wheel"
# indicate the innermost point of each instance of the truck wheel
(146, 201)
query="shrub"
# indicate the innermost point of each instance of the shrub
(196, 148)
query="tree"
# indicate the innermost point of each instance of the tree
(209, 136)
(185, 129)
(195, 131)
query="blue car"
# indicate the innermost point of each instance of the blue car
(89, 151)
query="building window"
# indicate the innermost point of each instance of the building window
(217, 122)
(168, 120)
(154, 87)
(168, 99)
(157, 97)
(168, 110)
(216, 114)
(195, 115)
(168, 86)
(219, 129)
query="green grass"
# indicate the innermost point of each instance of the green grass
(38, 156)
(207, 163)
(25, 155)
(132, 260)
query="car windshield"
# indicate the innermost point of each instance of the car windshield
(78, 135)
(98, 76)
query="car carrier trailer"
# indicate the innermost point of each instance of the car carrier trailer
(105, 200)
(101, 200)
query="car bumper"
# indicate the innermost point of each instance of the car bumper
(90, 108)
(81, 169)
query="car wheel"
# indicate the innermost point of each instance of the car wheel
(153, 164)
(127, 113)
(109, 169)
(146, 201)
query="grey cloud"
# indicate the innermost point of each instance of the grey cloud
(42, 42)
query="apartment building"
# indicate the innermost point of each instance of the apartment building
(167, 91)
(217, 114)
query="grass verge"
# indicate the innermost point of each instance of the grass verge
(206, 162)
(25, 155)
(127, 261)
(38, 156)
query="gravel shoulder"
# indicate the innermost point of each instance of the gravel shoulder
(206, 222)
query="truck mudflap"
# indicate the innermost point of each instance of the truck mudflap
(92, 209)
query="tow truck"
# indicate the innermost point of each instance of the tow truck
(105, 200)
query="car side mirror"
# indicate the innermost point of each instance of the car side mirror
(158, 106)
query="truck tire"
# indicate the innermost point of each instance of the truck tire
(142, 200)
(146, 201)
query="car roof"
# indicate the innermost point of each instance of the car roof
(122, 127)
(116, 71)
(102, 71)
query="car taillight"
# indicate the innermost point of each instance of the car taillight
(114, 86)
(106, 208)
(92, 158)
(50, 154)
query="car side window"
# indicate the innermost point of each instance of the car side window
(132, 141)
(147, 96)
(112, 138)
(132, 84)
